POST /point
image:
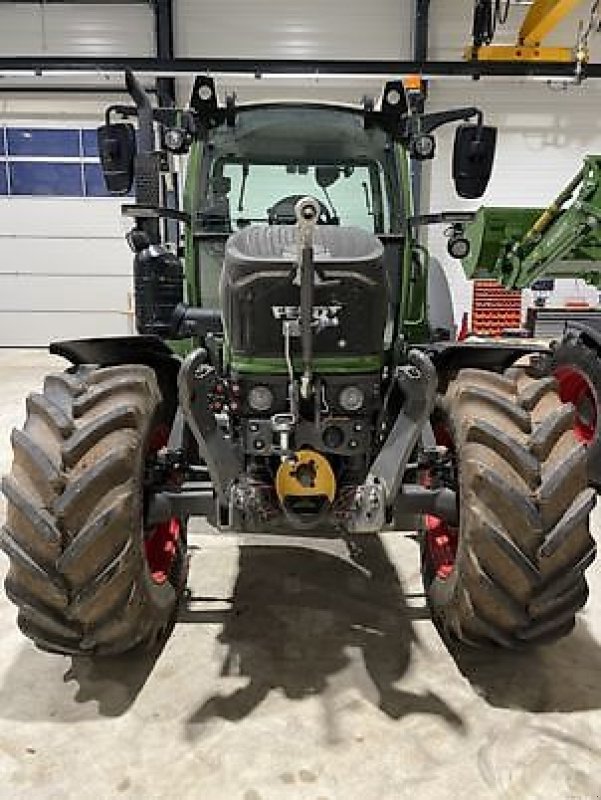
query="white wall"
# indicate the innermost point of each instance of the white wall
(338, 29)
(65, 270)
(545, 129)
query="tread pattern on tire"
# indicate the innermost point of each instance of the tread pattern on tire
(73, 526)
(524, 540)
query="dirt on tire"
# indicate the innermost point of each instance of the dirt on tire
(523, 538)
(74, 531)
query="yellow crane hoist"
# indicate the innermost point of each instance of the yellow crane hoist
(542, 18)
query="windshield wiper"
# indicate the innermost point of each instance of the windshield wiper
(370, 211)
(245, 171)
(329, 202)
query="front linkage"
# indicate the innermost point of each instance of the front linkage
(381, 492)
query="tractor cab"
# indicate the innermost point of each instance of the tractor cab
(245, 181)
(250, 164)
(252, 174)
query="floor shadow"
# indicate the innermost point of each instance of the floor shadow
(113, 682)
(298, 616)
(39, 686)
(559, 677)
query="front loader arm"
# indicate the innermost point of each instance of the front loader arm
(516, 246)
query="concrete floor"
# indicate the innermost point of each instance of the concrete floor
(295, 674)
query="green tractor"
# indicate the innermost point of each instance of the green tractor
(292, 378)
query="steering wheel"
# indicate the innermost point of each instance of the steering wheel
(282, 212)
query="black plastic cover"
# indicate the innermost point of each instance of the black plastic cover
(260, 279)
(159, 289)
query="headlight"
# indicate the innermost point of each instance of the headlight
(351, 398)
(260, 398)
(175, 139)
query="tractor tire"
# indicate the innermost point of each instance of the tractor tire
(512, 573)
(80, 573)
(577, 368)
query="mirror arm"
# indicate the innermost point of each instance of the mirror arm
(426, 123)
(164, 116)
(140, 211)
(125, 112)
(441, 218)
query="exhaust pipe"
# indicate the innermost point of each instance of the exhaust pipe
(147, 174)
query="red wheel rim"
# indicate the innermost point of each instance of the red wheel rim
(161, 548)
(441, 538)
(161, 541)
(576, 388)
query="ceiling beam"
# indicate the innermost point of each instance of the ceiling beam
(164, 44)
(160, 67)
(422, 29)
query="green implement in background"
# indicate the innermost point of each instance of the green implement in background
(516, 246)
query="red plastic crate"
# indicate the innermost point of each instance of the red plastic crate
(494, 308)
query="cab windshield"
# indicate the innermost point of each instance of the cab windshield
(253, 172)
(266, 193)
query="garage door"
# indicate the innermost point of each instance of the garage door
(65, 269)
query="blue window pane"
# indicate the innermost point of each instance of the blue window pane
(43, 142)
(3, 180)
(37, 178)
(94, 180)
(90, 142)
(2, 143)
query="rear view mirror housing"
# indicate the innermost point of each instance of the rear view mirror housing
(326, 176)
(117, 149)
(473, 159)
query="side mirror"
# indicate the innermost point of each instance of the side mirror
(117, 148)
(473, 158)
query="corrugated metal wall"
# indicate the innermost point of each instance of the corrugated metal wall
(85, 29)
(289, 29)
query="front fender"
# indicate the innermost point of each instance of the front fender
(495, 355)
(111, 350)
